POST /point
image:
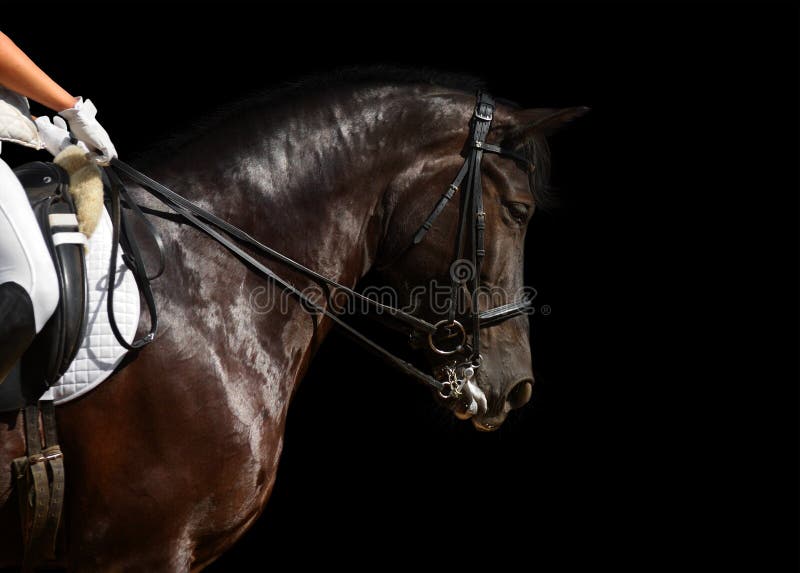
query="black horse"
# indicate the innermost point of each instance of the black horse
(339, 177)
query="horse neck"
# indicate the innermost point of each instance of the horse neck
(310, 181)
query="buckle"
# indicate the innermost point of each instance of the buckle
(52, 453)
(487, 116)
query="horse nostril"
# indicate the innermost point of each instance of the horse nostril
(520, 394)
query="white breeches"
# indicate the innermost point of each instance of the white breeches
(24, 258)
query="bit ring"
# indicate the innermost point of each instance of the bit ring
(446, 324)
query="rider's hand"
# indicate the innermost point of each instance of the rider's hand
(87, 129)
(55, 135)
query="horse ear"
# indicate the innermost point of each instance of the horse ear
(540, 121)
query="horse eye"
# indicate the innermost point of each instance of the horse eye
(518, 211)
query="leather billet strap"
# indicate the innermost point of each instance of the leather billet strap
(40, 492)
(32, 489)
(53, 456)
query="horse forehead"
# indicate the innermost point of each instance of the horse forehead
(504, 175)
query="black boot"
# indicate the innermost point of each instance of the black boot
(17, 325)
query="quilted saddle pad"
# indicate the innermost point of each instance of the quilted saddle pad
(100, 352)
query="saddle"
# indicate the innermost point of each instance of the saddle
(39, 475)
(54, 348)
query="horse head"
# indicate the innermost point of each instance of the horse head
(434, 277)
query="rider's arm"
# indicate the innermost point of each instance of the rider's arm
(18, 73)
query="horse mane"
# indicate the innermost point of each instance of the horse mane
(534, 150)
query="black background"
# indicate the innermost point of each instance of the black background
(663, 429)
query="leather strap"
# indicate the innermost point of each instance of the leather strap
(53, 456)
(188, 210)
(133, 259)
(484, 113)
(38, 500)
(127, 203)
(458, 282)
(502, 313)
(491, 148)
(454, 186)
(477, 141)
(172, 199)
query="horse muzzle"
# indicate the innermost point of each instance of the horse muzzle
(462, 393)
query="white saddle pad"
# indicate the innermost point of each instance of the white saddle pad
(100, 352)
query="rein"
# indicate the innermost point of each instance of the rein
(196, 214)
(472, 221)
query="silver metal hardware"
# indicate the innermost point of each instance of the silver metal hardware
(443, 325)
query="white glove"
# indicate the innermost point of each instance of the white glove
(55, 135)
(86, 128)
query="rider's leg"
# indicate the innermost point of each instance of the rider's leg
(28, 282)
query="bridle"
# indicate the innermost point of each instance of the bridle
(445, 338)
(471, 228)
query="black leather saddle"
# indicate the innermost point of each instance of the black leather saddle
(54, 348)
